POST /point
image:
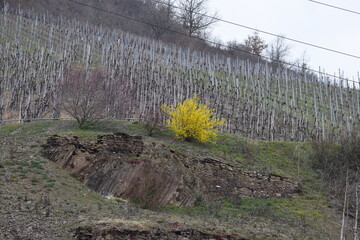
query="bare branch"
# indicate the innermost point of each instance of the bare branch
(194, 16)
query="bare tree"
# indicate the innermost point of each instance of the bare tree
(303, 62)
(84, 95)
(194, 16)
(160, 15)
(278, 51)
(255, 43)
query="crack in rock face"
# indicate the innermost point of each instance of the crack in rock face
(153, 175)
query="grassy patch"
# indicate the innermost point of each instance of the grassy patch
(36, 128)
(22, 164)
(16, 163)
(8, 129)
(36, 165)
(292, 212)
(82, 133)
(49, 185)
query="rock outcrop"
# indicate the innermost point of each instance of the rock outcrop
(154, 175)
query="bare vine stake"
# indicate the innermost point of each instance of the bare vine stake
(343, 224)
(356, 211)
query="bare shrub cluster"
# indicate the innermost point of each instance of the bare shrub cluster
(335, 160)
(84, 94)
(339, 165)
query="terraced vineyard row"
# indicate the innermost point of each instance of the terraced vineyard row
(256, 100)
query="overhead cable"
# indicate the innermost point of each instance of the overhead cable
(264, 32)
(209, 41)
(339, 8)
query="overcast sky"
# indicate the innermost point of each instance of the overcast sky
(298, 19)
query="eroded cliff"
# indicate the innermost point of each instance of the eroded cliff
(152, 174)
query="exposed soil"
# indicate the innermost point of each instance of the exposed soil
(124, 166)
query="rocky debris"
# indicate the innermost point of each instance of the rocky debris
(22, 218)
(122, 143)
(101, 232)
(226, 180)
(153, 175)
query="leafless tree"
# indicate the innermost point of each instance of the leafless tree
(194, 16)
(160, 15)
(302, 63)
(278, 51)
(255, 43)
(84, 95)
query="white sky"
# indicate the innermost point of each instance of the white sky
(298, 19)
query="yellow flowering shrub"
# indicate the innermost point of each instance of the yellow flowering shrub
(192, 120)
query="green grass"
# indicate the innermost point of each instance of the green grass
(50, 185)
(61, 127)
(292, 212)
(37, 165)
(288, 159)
(247, 207)
(6, 130)
(15, 163)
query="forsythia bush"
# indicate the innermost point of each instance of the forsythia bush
(191, 120)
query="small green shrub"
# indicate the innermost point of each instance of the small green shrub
(151, 128)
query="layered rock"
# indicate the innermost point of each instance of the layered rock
(154, 175)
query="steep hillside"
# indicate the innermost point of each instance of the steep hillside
(69, 9)
(41, 200)
(257, 100)
(112, 181)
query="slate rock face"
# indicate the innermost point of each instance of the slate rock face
(221, 179)
(124, 166)
(154, 175)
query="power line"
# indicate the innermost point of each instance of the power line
(208, 41)
(332, 6)
(265, 32)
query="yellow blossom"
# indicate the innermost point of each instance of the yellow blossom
(192, 120)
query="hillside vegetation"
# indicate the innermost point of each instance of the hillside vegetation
(261, 179)
(39, 199)
(257, 100)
